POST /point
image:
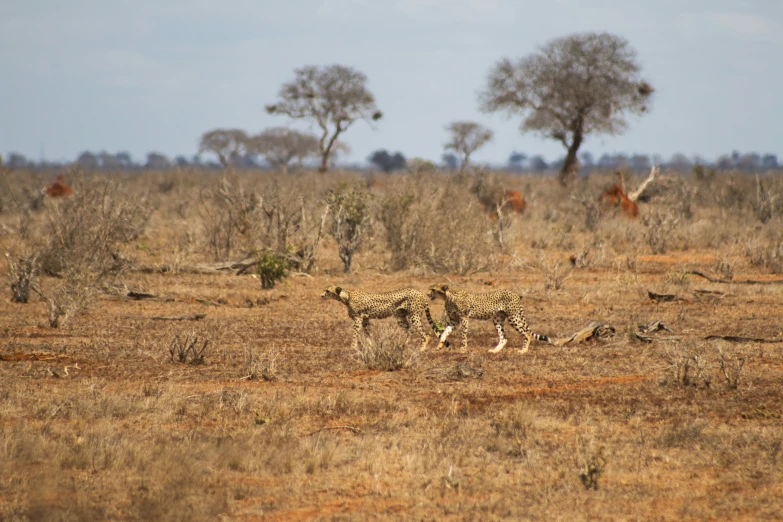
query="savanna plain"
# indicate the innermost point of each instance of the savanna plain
(150, 375)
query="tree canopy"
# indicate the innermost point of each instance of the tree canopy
(281, 146)
(228, 144)
(572, 87)
(334, 97)
(466, 138)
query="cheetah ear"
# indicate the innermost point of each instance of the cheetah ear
(338, 290)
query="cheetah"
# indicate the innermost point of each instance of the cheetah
(406, 305)
(461, 307)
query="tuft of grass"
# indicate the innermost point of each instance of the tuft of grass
(385, 351)
(190, 348)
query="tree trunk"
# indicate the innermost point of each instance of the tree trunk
(570, 160)
(327, 151)
(346, 256)
(324, 162)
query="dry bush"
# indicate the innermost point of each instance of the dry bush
(261, 364)
(731, 366)
(82, 239)
(682, 433)
(294, 218)
(22, 273)
(766, 203)
(230, 211)
(681, 199)
(351, 223)
(514, 422)
(723, 266)
(85, 231)
(555, 272)
(435, 226)
(191, 348)
(69, 296)
(659, 226)
(385, 349)
(687, 366)
(733, 193)
(592, 465)
(766, 255)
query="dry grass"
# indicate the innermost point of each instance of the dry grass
(281, 421)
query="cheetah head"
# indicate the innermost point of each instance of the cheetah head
(334, 292)
(438, 291)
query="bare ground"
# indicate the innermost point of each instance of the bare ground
(96, 421)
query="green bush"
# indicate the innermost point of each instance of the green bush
(271, 268)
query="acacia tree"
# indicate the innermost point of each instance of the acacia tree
(572, 87)
(466, 138)
(228, 144)
(334, 97)
(281, 146)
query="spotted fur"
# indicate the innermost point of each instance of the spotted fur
(406, 305)
(461, 307)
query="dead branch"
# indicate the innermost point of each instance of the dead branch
(734, 281)
(196, 317)
(594, 330)
(636, 194)
(138, 296)
(665, 298)
(711, 294)
(740, 339)
(353, 429)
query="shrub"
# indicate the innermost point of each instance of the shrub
(271, 268)
(386, 351)
(261, 366)
(351, 219)
(230, 212)
(436, 226)
(189, 348)
(82, 242)
(658, 228)
(22, 273)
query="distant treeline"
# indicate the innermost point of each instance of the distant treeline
(382, 160)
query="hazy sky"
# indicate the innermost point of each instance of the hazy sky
(153, 75)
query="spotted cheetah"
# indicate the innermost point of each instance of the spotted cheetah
(461, 307)
(406, 305)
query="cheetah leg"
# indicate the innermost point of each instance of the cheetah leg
(402, 319)
(464, 347)
(358, 322)
(526, 346)
(520, 325)
(454, 322)
(499, 318)
(418, 328)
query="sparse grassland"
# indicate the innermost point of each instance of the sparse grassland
(270, 415)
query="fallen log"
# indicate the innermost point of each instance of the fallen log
(740, 339)
(138, 296)
(734, 281)
(663, 298)
(196, 317)
(594, 330)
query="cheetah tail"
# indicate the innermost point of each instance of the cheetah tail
(429, 318)
(539, 337)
